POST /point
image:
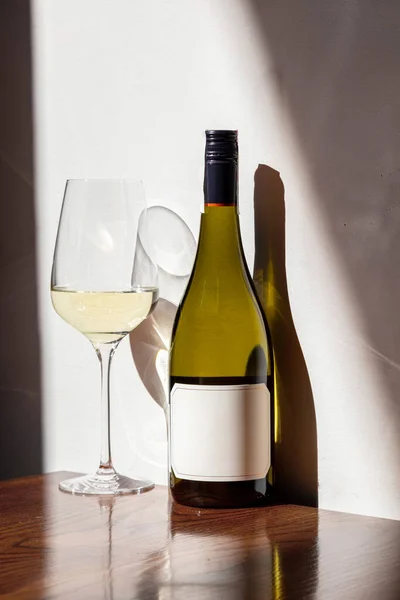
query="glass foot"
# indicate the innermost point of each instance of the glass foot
(110, 485)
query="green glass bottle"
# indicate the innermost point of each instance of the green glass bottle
(221, 414)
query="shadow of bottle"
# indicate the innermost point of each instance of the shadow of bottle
(295, 444)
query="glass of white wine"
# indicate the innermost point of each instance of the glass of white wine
(104, 283)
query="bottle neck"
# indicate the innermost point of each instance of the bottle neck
(220, 242)
(219, 230)
(220, 245)
(220, 184)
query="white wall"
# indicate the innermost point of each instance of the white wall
(126, 88)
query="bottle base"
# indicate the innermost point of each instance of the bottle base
(233, 494)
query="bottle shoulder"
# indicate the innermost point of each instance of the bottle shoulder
(219, 332)
(219, 299)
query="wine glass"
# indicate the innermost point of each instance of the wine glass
(104, 283)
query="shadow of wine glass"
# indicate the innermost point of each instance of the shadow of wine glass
(150, 344)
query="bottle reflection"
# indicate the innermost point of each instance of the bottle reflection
(295, 556)
(237, 558)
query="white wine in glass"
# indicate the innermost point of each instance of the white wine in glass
(104, 284)
(104, 317)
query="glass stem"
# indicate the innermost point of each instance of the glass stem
(105, 352)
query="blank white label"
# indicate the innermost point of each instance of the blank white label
(220, 432)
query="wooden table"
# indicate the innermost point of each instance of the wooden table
(53, 545)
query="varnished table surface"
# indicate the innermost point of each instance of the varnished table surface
(57, 546)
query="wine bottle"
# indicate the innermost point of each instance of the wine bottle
(221, 414)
